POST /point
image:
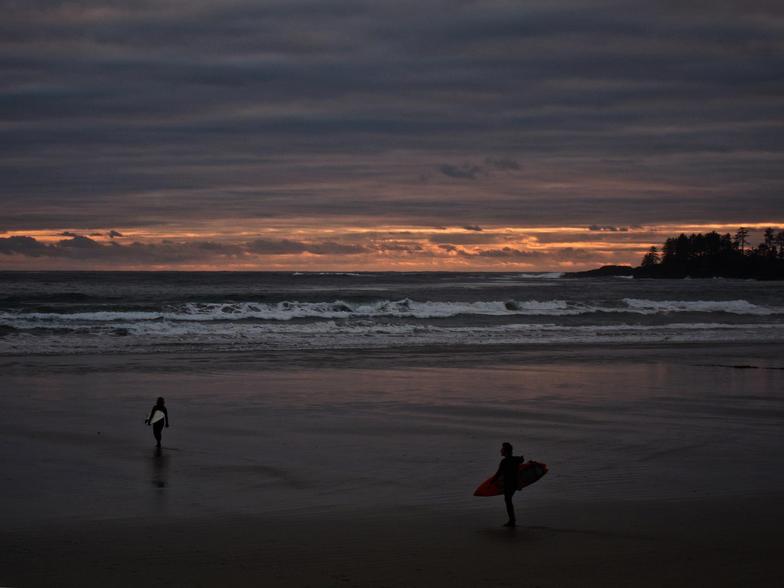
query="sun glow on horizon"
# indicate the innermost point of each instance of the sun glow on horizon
(242, 245)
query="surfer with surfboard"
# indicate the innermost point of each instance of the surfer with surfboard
(514, 473)
(158, 416)
(507, 472)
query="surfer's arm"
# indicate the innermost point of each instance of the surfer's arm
(166, 414)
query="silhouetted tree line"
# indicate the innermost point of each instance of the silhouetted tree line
(715, 255)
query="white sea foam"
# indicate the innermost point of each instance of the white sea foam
(543, 276)
(730, 306)
(172, 336)
(288, 310)
(405, 308)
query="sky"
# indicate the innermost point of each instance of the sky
(339, 134)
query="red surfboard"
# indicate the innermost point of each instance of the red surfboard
(527, 473)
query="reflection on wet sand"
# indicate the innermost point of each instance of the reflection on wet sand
(159, 469)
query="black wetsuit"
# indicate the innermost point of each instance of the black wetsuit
(158, 427)
(507, 470)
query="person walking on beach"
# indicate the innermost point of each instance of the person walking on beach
(507, 471)
(158, 417)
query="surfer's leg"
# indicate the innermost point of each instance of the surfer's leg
(156, 430)
(509, 507)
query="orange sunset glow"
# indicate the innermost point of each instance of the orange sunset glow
(255, 246)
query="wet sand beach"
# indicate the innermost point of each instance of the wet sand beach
(338, 471)
(719, 542)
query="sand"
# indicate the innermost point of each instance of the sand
(704, 543)
(334, 471)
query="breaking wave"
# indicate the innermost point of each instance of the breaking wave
(194, 336)
(405, 308)
(543, 276)
(728, 306)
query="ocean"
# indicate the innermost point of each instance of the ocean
(117, 312)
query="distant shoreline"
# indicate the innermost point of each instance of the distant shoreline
(706, 256)
(661, 273)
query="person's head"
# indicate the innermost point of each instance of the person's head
(160, 401)
(506, 449)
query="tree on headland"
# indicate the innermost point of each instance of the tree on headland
(714, 255)
(779, 240)
(769, 236)
(741, 238)
(651, 258)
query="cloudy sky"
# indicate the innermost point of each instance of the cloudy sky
(339, 134)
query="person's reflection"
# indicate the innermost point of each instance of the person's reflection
(160, 469)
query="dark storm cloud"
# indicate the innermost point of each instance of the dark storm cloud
(515, 255)
(473, 238)
(509, 252)
(332, 248)
(472, 171)
(84, 249)
(21, 245)
(397, 247)
(632, 112)
(501, 163)
(610, 228)
(279, 247)
(31, 247)
(466, 171)
(79, 243)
